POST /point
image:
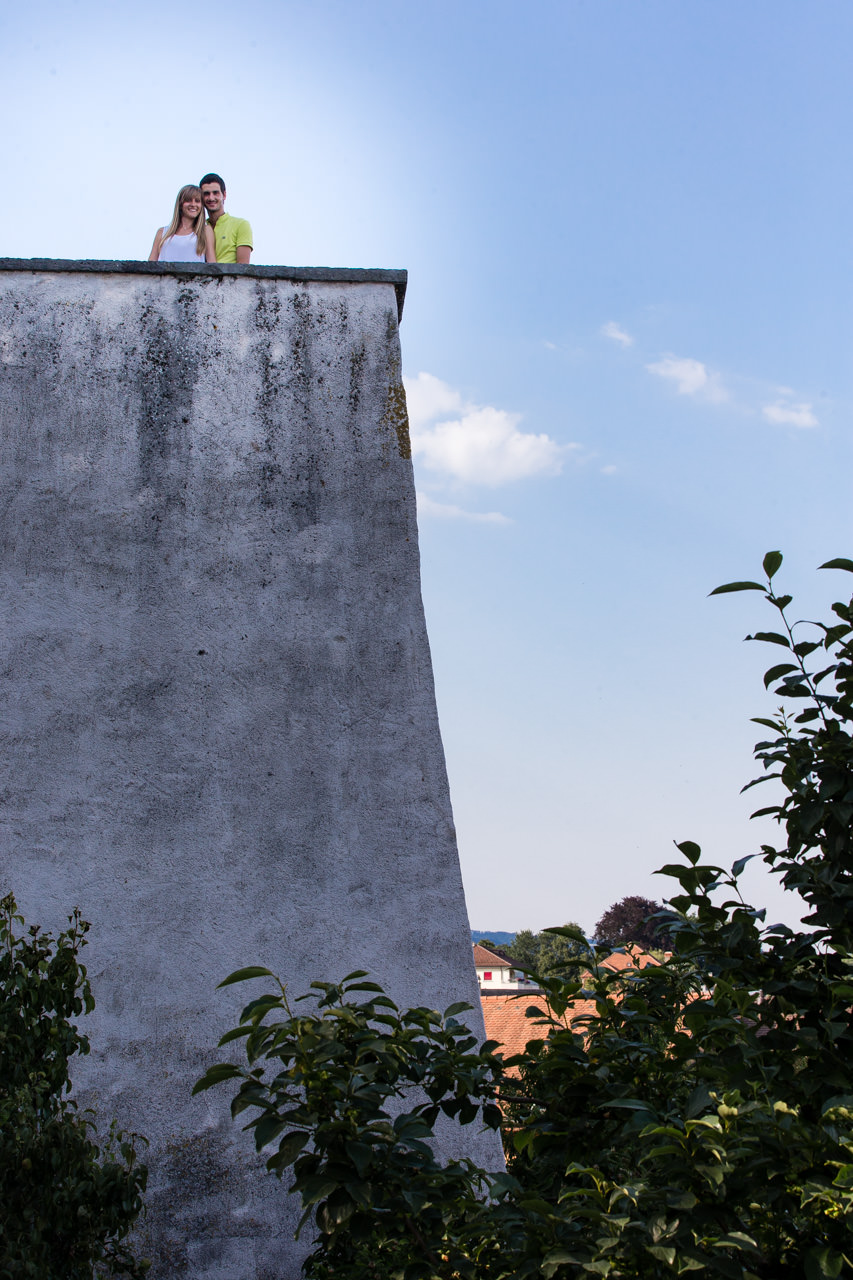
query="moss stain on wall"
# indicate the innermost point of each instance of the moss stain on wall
(396, 413)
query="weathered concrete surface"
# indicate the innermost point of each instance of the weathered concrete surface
(219, 735)
(186, 270)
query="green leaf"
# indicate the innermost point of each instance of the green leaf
(699, 1101)
(360, 1153)
(771, 637)
(237, 1033)
(686, 1200)
(288, 1149)
(555, 1259)
(664, 1253)
(459, 1007)
(243, 975)
(316, 1188)
(838, 563)
(775, 672)
(340, 1208)
(822, 1263)
(806, 647)
(771, 563)
(736, 586)
(691, 851)
(844, 1100)
(215, 1075)
(267, 1130)
(261, 1005)
(844, 1177)
(736, 1240)
(806, 717)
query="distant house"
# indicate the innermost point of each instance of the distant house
(505, 1012)
(496, 975)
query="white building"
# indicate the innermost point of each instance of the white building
(496, 975)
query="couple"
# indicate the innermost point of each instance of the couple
(188, 238)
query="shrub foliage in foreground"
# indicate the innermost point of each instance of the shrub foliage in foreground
(701, 1122)
(66, 1205)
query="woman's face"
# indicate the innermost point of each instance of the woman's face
(191, 206)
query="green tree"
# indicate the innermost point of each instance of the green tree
(708, 1107)
(547, 950)
(524, 949)
(66, 1203)
(700, 1120)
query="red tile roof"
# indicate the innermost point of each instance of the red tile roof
(490, 959)
(507, 1022)
(630, 959)
(506, 1018)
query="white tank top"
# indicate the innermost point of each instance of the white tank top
(180, 249)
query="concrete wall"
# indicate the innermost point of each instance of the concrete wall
(219, 734)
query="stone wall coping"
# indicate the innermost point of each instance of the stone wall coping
(331, 275)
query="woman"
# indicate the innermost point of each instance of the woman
(187, 237)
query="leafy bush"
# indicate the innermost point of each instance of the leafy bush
(66, 1204)
(700, 1121)
(335, 1109)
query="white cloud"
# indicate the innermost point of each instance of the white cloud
(794, 415)
(609, 470)
(485, 446)
(617, 334)
(479, 444)
(427, 398)
(690, 376)
(427, 506)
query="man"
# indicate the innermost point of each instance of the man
(233, 236)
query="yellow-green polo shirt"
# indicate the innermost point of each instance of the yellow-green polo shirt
(230, 233)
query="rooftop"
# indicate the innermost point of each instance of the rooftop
(484, 956)
(506, 1020)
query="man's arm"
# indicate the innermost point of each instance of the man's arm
(244, 240)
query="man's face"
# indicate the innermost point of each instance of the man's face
(213, 197)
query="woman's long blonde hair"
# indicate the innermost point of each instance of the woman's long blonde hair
(186, 193)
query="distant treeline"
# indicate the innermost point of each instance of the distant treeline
(632, 920)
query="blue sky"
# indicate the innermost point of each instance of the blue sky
(627, 342)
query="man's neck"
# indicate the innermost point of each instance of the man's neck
(213, 218)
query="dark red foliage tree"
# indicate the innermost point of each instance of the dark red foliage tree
(629, 920)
